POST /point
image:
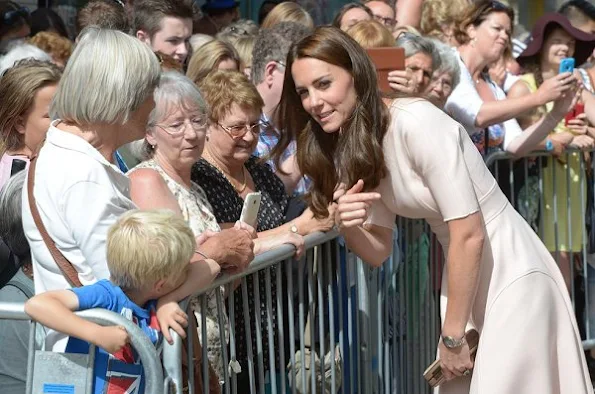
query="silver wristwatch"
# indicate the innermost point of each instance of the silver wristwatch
(452, 342)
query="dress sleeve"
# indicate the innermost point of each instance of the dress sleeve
(436, 147)
(381, 216)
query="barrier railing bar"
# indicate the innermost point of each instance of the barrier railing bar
(301, 317)
(223, 340)
(331, 309)
(291, 321)
(232, 337)
(311, 303)
(320, 313)
(286, 264)
(340, 292)
(145, 349)
(204, 344)
(270, 331)
(258, 327)
(248, 335)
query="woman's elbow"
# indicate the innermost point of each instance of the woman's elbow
(475, 240)
(481, 122)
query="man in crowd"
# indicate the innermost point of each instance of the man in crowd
(383, 13)
(165, 25)
(105, 14)
(268, 68)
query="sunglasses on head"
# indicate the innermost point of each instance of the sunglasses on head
(498, 6)
(11, 17)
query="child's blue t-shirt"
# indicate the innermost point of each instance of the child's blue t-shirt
(121, 372)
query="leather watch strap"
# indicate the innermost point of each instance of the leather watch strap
(68, 270)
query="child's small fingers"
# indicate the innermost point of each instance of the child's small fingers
(167, 337)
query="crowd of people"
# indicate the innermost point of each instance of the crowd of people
(127, 152)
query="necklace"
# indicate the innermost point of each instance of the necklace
(229, 178)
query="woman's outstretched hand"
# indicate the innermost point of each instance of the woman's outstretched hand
(353, 205)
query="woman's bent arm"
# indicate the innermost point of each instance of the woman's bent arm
(373, 244)
(467, 237)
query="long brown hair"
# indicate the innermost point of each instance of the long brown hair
(349, 155)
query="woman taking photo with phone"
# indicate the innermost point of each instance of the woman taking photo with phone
(415, 161)
(554, 43)
(479, 104)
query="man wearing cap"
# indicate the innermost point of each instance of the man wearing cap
(217, 15)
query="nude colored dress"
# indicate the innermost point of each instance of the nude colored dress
(529, 338)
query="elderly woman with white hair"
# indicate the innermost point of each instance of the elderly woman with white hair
(175, 139)
(421, 59)
(445, 78)
(102, 102)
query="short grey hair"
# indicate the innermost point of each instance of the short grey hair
(11, 225)
(273, 45)
(107, 78)
(20, 52)
(449, 62)
(414, 44)
(174, 90)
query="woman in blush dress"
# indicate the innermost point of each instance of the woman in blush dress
(413, 160)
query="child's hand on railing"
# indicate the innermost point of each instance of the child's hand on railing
(111, 338)
(170, 315)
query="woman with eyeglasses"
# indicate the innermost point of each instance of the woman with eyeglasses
(14, 23)
(228, 171)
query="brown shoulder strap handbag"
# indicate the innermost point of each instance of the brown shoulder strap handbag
(65, 266)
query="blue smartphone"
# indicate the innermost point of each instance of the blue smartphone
(567, 65)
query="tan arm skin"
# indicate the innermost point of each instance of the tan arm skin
(232, 246)
(55, 310)
(409, 13)
(535, 132)
(498, 111)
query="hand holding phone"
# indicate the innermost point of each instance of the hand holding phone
(578, 109)
(250, 209)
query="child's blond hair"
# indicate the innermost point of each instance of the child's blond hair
(146, 246)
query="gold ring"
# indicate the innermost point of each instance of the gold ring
(467, 372)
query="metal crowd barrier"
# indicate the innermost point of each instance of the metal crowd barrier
(52, 379)
(371, 330)
(380, 326)
(384, 321)
(555, 195)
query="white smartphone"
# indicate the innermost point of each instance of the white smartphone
(250, 209)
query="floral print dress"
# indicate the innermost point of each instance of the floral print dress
(197, 211)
